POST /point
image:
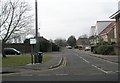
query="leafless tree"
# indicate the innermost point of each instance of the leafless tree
(60, 42)
(72, 41)
(84, 36)
(14, 17)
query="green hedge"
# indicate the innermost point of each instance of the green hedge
(94, 49)
(105, 50)
(55, 47)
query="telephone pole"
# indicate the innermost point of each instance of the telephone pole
(36, 18)
(36, 57)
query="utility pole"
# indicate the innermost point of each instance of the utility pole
(36, 58)
(36, 19)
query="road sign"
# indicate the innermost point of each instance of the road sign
(33, 41)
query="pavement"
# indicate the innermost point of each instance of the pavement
(111, 58)
(53, 63)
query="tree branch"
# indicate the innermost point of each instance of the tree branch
(7, 34)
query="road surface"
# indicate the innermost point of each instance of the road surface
(76, 66)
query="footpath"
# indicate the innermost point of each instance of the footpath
(53, 63)
(111, 58)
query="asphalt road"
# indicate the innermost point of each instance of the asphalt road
(77, 66)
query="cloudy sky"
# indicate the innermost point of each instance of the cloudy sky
(63, 18)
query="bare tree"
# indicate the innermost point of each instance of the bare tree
(84, 36)
(60, 42)
(14, 17)
(72, 41)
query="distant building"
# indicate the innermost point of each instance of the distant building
(17, 38)
(92, 35)
(83, 42)
(92, 30)
(20, 37)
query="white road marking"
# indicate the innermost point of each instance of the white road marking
(86, 60)
(83, 59)
(62, 74)
(113, 71)
(26, 75)
(96, 66)
(100, 69)
(44, 75)
(80, 57)
(118, 71)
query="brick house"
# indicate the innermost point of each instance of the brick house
(116, 16)
(100, 26)
(108, 34)
(83, 42)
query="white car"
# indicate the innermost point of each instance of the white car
(69, 47)
(87, 48)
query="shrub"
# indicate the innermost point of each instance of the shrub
(94, 49)
(105, 50)
(55, 47)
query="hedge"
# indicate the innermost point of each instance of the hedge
(105, 50)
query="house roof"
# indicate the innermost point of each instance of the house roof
(42, 39)
(116, 14)
(101, 25)
(110, 27)
(106, 21)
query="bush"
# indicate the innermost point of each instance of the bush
(94, 49)
(55, 47)
(105, 50)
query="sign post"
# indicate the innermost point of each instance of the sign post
(32, 43)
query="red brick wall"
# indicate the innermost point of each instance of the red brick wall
(118, 36)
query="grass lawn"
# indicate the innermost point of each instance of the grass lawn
(20, 60)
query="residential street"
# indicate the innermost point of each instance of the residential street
(76, 66)
(59, 41)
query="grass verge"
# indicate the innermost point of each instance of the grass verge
(20, 60)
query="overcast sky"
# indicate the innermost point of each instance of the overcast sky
(63, 18)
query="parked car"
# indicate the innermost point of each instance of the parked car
(11, 51)
(87, 48)
(69, 47)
